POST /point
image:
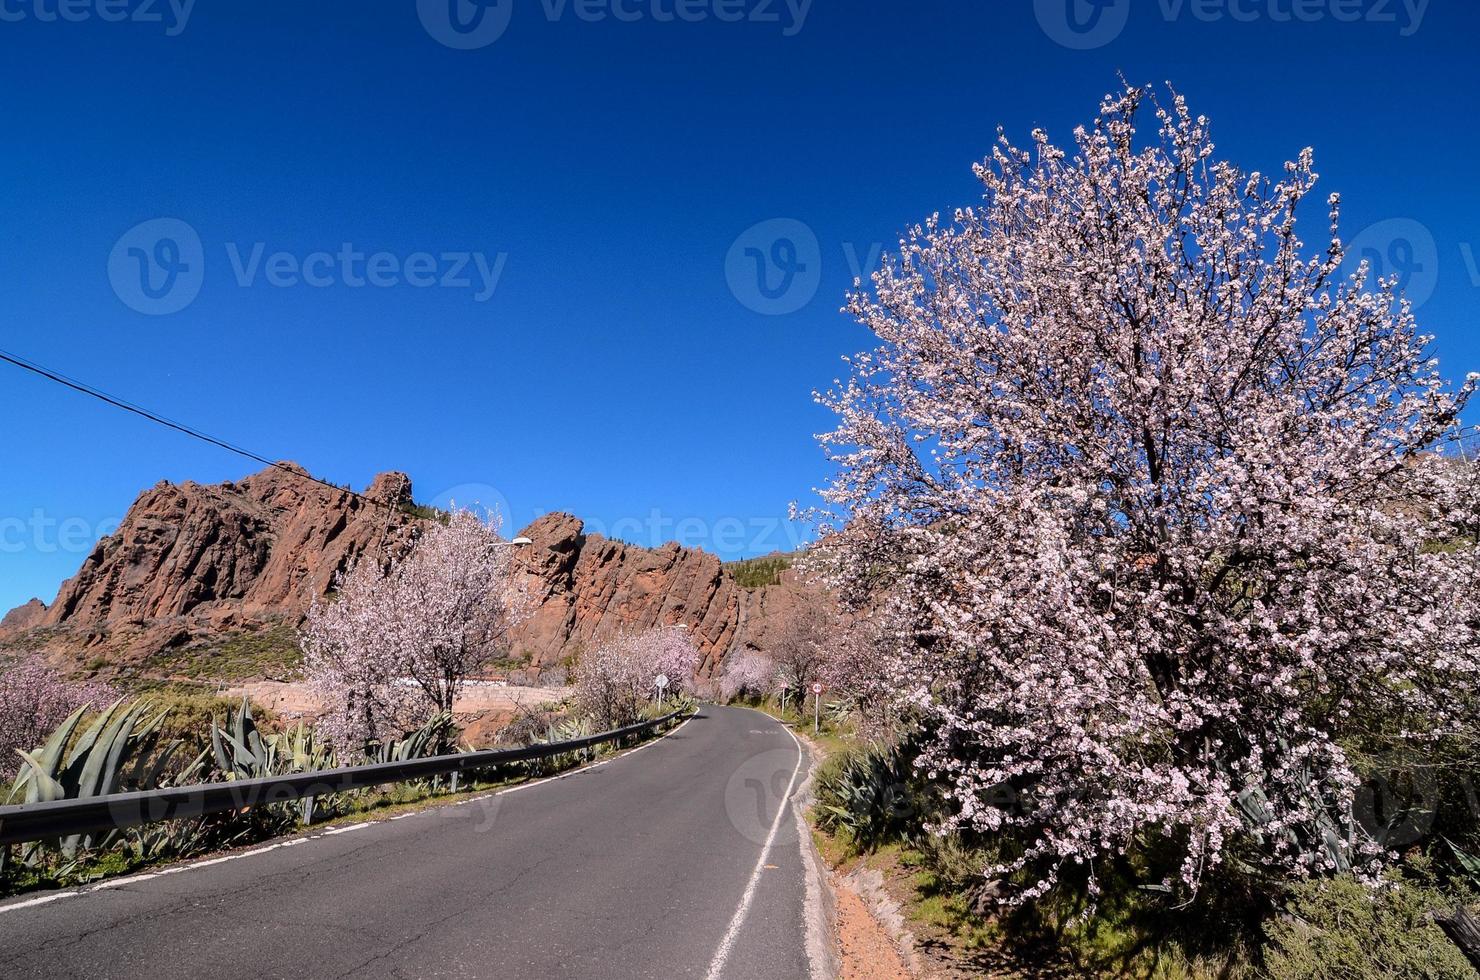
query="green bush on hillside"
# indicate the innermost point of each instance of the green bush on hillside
(1340, 928)
(756, 573)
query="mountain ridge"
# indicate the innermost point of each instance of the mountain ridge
(195, 565)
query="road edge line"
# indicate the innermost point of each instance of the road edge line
(821, 908)
(727, 942)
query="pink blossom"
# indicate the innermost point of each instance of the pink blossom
(1144, 491)
(35, 698)
(616, 678)
(395, 646)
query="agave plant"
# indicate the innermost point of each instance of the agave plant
(243, 752)
(1332, 848)
(866, 794)
(240, 750)
(1468, 863)
(430, 739)
(153, 842)
(118, 752)
(302, 750)
(564, 730)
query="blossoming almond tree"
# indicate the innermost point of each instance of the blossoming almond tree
(35, 698)
(803, 643)
(396, 647)
(353, 663)
(1144, 488)
(616, 678)
(457, 596)
(747, 672)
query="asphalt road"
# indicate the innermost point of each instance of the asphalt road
(648, 866)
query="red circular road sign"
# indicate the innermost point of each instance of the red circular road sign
(816, 688)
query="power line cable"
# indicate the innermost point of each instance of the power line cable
(194, 433)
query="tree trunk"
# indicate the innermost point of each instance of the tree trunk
(1464, 929)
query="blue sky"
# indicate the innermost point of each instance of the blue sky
(609, 165)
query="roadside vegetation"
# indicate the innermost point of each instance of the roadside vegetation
(272, 653)
(125, 745)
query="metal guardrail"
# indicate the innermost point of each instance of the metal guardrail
(59, 818)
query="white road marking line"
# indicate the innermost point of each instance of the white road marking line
(194, 865)
(348, 828)
(120, 882)
(717, 965)
(38, 901)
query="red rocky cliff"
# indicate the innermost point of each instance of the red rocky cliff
(194, 564)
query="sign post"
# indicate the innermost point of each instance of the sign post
(816, 707)
(661, 683)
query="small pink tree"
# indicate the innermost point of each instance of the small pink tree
(614, 680)
(1144, 490)
(859, 672)
(747, 672)
(456, 597)
(395, 647)
(354, 663)
(34, 699)
(670, 653)
(804, 642)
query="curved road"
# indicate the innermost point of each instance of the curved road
(650, 865)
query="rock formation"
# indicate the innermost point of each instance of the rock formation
(588, 587)
(194, 564)
(24, 617)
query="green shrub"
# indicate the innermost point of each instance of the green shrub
(866, 795)
(755, 573)
(272, 652)
(1339, 928)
